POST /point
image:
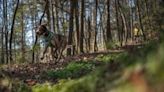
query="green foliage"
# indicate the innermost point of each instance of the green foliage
(84, 84)
(42, 88)
(106, 58)
(112, 57)
(72, 70)
(155, 63)
(13, 85)
(153, 71)
(20, 87)
(112, 45)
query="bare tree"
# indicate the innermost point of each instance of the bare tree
(95, 26)
(140, 19)
(77, 26)
(108, 26)
(82, 26)
(12, 30)
(71, 25)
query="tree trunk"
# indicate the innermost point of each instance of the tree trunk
(12, 31)
(95, 26)
(2, 46)
(124, 32)
(57, 16)
(82, 26)
(52, 17)
(89, 34)
(5, 29)
(131, 20)
(117, 21)
(71, 25)
(2, 34)
(140, 19)
(48, 14)
(108, 29)
(77, 26)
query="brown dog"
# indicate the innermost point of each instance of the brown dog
(57, 42)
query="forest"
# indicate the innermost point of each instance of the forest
(81, 45)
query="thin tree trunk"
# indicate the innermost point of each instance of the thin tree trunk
(71, 25)
(82, 26)
(89, 34)
(48, 14)
(5, 30)
(95, 26)
(12, 30)
(52, 17)
(131, 19)
(147, 14)
(2, 46)
(2, 34)
(124, 32)
(108, 29)
(117, 21)
(57, 16)
(140, 19)
(77, 26)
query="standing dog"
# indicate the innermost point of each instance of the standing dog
(57, 42)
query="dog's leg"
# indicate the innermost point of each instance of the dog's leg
(61, 50)
(44, 51)
(55, 53)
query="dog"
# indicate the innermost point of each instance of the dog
(57, 42)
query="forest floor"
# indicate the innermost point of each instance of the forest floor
(90, 72)
(35, 73)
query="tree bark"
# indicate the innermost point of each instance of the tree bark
(140, 19)
(108, 29)
(117, 20)
(82, 26)
(71, 25)
(77, 26)
(124, 32)
(2, 34)
(12, 31)
(95, 26)
(57, 16)
(48, 14)
(52, 17)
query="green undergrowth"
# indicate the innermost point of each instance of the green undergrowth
(104, 80)
(11, 85)
(113, 75)
(84, 84)
(72, 70)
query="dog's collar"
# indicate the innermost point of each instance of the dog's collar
(50, 35)
(48, 38)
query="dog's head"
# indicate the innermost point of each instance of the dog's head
(41, 30)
